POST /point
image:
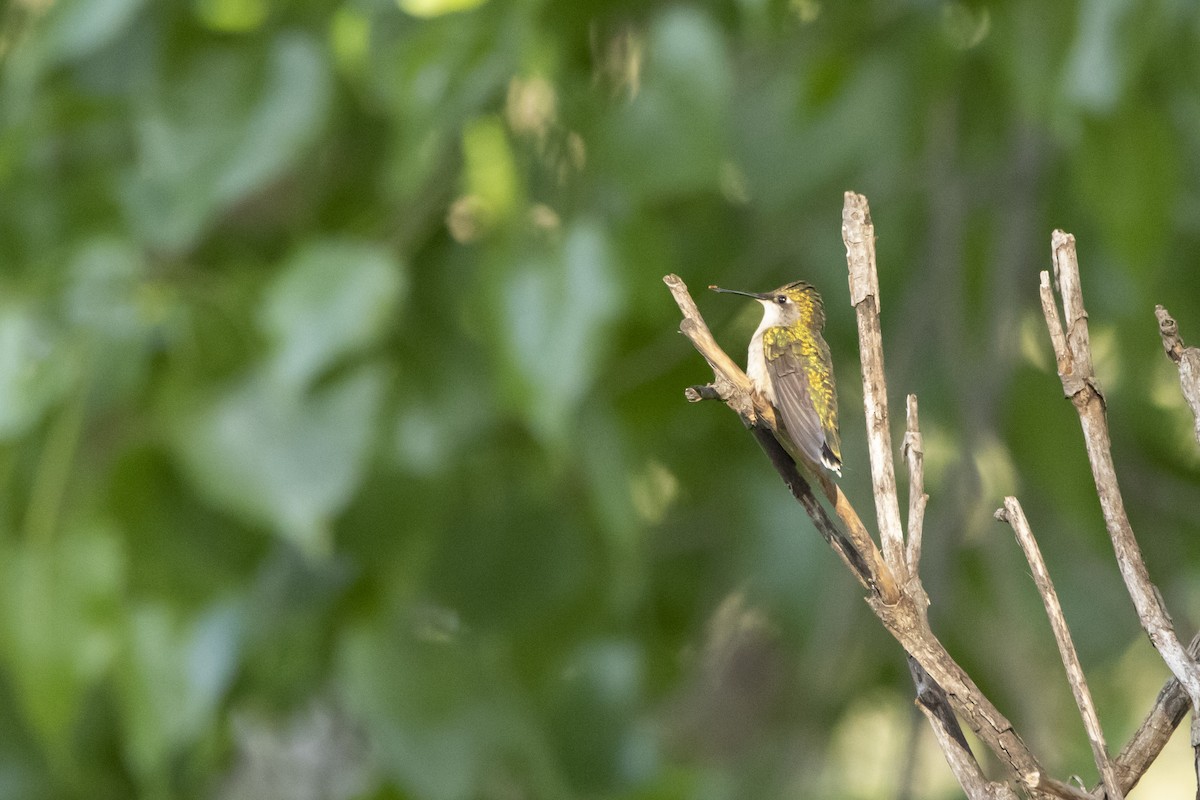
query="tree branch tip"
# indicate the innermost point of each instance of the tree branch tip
(1169, 330)
(1045, 784)
(1060, 238)
(706, 391)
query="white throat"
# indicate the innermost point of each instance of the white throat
(756, 361)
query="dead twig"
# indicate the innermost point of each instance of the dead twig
(1072, 352)
(1055, 788)
(914, 455)
(1013, 514)
(858, 234)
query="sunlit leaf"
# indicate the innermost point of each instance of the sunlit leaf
(232, 16)
(490, 173)
(435, 8)
(350, 38)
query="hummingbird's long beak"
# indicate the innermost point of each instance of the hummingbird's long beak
(755, 295)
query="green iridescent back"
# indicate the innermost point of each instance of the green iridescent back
(799, 355)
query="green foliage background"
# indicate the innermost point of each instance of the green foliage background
(343, 450)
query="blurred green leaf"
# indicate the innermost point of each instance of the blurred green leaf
(117, 316)
(672, 136)
(443, 724)
(603, 683)
(332, 299)
(283, 459)
(1128, 175)
(59, 627)
(431, 742)
(172, 676)
(221, 131)
(1098, 68)
(207, 236)
(102, 296)
(37, 367)
(269, 448)
(73, 30)
(554, 311)
(489, 172)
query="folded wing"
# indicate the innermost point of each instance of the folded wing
(802, 381)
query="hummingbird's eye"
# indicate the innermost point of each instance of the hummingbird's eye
(781, 299)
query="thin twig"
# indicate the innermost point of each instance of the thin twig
(1073, 354)
(1013, 514)
(1187, 359)
(935, 705)
(1043, 783)
(914, 456)
(858, 233)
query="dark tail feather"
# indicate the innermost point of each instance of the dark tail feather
(831, 461)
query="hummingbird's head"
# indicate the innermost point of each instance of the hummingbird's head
(791, 304)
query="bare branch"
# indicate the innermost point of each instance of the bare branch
(1015, 516)
(694, 394)
(1080, 385)
(858, 233)
(1188, 360)
(914, 455)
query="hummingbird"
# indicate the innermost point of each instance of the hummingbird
(789, 364)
